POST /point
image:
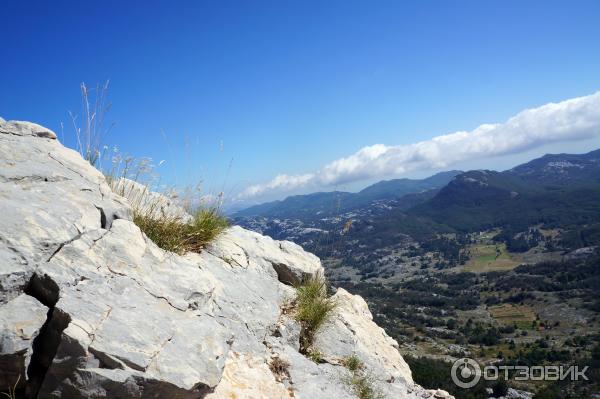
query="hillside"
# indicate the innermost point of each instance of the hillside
(556, 190)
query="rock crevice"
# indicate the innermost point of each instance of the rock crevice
(45, 344)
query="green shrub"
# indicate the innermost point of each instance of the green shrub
(500, 388)
(313, 308)
(436, 373)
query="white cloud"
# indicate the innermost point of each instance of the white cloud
(281, 182)
(569, 120)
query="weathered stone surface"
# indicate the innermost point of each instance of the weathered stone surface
(351, 331)
(21, 320)
(246, 376)
(23, 128)
(124, 319)
(289, 260)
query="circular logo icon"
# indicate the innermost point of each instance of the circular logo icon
(466, 373)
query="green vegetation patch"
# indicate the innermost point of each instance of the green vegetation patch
(487, 258)
(511, 314)
(313, 308)
(173, 234)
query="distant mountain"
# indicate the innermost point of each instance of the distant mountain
(561, 168)
(326, 204)
(299, 206)
(393, 189)
(556, 189)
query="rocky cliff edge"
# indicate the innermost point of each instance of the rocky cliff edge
(91, 308)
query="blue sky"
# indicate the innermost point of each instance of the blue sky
(286, 87)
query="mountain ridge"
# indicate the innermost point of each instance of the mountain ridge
(554, 188)
(331, 202)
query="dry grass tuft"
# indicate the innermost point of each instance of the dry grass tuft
(173, 234)
(279, 368)
(363, 386)
(160, 216)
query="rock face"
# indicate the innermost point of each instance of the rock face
(343, 337)
(91, 308)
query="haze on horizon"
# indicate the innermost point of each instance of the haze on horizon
(267, 100)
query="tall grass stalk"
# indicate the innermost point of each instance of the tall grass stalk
(175, 223)
(12, 391)
(90, 129)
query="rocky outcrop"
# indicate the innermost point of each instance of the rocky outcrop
(91, 308)
(343, 337)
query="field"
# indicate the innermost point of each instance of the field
(509, 314)
(490, 257)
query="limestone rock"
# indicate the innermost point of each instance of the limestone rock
(247, 377)
(289, 260)
(23, 128)
(351, 331)
(438, 394)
